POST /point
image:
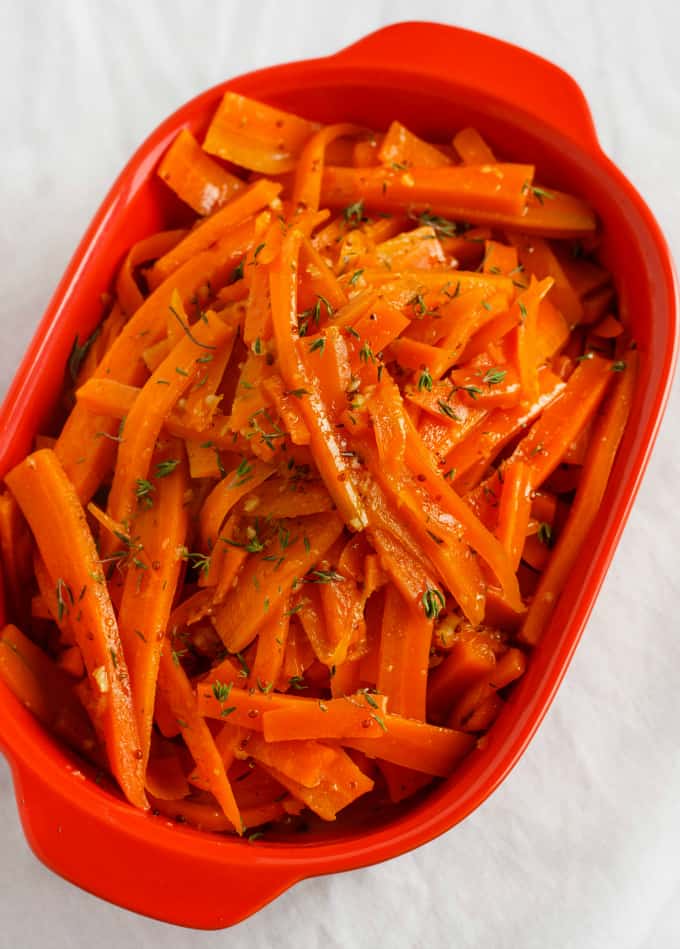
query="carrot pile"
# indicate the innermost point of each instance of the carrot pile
(325, 469)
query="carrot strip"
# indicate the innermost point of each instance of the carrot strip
(130, 297)
(271, 646)
(353, 716)
(233, 486)
(262, 584)
(44, 689)
(469, 662)
(305, 762)
(151, 582)
(514, 509)
(403, 657)
(416, 745)
(440, 191)
(59, 525)
(15, 551)
(343, 783)
(85, 447)
(401, 147)
(257, 136)
(216, 227)
(194, 177)
(179, 696)
(142, 426)
(472, 148)
(307, 182)
(454, 191)
(606, 438)
(324, 441)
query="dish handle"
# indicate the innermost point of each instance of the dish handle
(126, 858)
(490, 66)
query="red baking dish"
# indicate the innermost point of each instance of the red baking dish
(435, 79)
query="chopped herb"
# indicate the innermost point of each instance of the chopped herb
(221, 690)
(323, 707)
(442, 226)
(180, 371)
(308, 546)
(325, 576)
(256, 834)
(258, 250)
(165, 468)
(61, 603)
(472, 391)
(298, 393)
(78, 353)
(523, 310)
(237, 273)
(245, 668)
(297, 683)
(588, 355)
(188, 331)
(446, 410)
(318, 345)
(379, 720)
(545, 534)
(433, 602)
(265, 687)
(366, 353)
(227, 711)
(354, 213)
(200, 561)
(618, 366)
(355, 276)
(143, 491)
(257, 347)
(541, 194)
(494, 377)
(425, 381)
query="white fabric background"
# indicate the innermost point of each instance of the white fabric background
(581, 846)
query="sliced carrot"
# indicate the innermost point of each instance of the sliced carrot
(472, 148)
(606, 438)
(195, 177)
(405, 641)
(179, 696)
(416, 745)
(402, 147)
(59, 525)
(514, 509)
(257, 136)
(130, 297)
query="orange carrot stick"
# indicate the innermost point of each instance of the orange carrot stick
(606, 438)
(129, 295)
(179, 696)
(198, 180)
(307, 183)
(59, 526)
(405, 642)
(514, 509)
(151, 582)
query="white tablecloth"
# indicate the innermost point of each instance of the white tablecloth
(581, 845)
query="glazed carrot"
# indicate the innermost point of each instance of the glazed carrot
(472, 148)
(471, 458)
(514, 509)
(262, 582)
(59, 526)
(179, 696)
(332, 465)
(343, 783)
(403, 657)
(207, 817)
(525, 338)
(473, 193)
(129, 295)
(257, 136)
(509, 667)
(466, 664)
(235, 484)
(98, 344)
(271, 646)
(606, 439)
(353, 716)
(422, 747)
(198, 180)
(305, 762)
(151, 581)
(309, 169)
(142, 426)
(538, 259)
(561, 216)
(85, 446)
(402, 147)
(45, 690)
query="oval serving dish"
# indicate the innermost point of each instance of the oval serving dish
(526, 108)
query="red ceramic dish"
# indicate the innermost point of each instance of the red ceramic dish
(528, 110)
